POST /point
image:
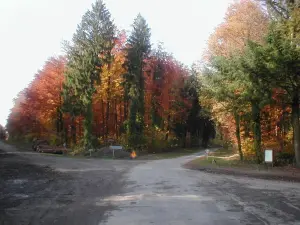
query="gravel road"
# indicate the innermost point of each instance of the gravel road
(38, 189)
(162, 192)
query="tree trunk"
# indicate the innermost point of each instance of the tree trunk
(103, 119)
(220, 131)
(107, 105)
(168, 127)
(256, 131)
(73, 129)
(59, 122)
(238, 134)
(125, 110)
(296, 126)
(116, 120)
(66, 136)
(246, 125)
(107, 119)
(269, 118)
(108, 100)
(205, 135)
(87, 136)
(79, 128)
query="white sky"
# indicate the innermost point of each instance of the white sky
(32, 31)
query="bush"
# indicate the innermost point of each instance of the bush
(284, 158)
(77, 150)
(155, 140)
(248, 149)
(225, 144)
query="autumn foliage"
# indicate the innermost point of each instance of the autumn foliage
(38, 109)
(110, 85)
(249, 92)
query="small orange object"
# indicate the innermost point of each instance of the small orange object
(133, 154)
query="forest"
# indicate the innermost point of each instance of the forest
(243, 93)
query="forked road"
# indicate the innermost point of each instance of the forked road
(162, 192)
(105, 192)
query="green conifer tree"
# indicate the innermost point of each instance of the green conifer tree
(138, 49)
(90, 49)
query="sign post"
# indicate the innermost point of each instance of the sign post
(269, 156)
(207, 153)
(115, 147)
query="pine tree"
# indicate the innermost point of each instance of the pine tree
(90, 50)
(138, 49)
(258, 92)
(226, 84)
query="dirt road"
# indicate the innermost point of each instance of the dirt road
(38, 189)
(105, 192)
(162, 192)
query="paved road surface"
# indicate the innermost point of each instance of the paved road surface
(159, 192)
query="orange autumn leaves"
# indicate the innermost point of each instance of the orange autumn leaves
(36, 111)
(244, 21)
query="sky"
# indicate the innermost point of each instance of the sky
(33, 30)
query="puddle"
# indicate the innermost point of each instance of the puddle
(152, 197)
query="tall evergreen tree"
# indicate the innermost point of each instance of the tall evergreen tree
(138, 49)
(90, 49)
(225, 83)
(258, 92)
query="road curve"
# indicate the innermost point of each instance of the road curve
(162, 192)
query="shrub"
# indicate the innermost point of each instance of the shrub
(248, 149)
(77, 150)
(284, 158)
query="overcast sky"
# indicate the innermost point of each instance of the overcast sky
(33, 30)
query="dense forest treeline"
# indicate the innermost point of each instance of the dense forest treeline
(251, 78)
(110, 85)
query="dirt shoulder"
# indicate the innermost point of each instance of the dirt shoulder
(226, 161)
(269, 173)
(38, 189)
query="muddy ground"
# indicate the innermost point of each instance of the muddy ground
(40, 189)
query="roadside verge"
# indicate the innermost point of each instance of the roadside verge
(219, 163)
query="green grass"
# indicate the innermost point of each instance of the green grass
(213, 160)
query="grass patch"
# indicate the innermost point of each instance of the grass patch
(21, 145)
(226, 158)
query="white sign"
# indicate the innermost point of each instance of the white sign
(116, 147)
(269, 155)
